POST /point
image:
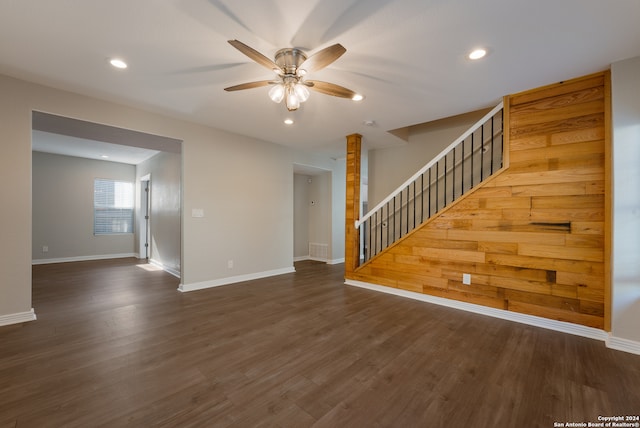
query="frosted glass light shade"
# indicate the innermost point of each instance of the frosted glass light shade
(276, 93)
(293, 102)
(301, 92)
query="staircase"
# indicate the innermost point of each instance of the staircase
(471, 159)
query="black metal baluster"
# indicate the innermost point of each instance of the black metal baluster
(492, 134)
(407, 209)
(400, 214)
(453, 186)
(463, 171)
(370, 239)
(473, 154)
(437, 186)
(482, 153)
(387, 224)
(445, 181)
(429, 192)
(502, 138)
(394, 219)
(421, 198)
(414, 204)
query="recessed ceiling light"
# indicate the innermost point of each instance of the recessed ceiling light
(104, 156)
(118, 63)
(477, 54)
(288, 121)
(357, 97)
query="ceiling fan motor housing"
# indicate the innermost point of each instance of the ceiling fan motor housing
(289, 59)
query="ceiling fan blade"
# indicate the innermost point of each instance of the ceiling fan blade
(323, 58)
(249, 85)
(330, 89)
(255, 55)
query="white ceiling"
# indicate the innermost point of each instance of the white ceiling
(91, 149)
(406, 56)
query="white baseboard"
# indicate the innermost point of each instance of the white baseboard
(167, 269)
(233, 279)
(17, 318)
(561, 326)
(626, 345)
(83, 258)
(315, 259)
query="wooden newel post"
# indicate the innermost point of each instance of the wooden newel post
(352, 213)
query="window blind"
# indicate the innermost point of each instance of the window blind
(112, 207)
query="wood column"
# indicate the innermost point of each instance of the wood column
(352, 212)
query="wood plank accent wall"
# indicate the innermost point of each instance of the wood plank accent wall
(535, 236)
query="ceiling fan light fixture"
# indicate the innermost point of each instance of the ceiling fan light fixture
(358, 97)
(292, 65)
(276, 93)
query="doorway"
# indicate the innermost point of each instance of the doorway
(62, 230)
(312, 219)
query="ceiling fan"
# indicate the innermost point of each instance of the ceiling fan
(291, 66)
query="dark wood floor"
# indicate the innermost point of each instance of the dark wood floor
(116, 345)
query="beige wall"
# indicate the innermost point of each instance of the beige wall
(63, 208)
(625, 78)
(165, 172)
(244, 186)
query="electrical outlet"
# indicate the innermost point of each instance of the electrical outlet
(45, 249)
(466, 278)
(229, 264)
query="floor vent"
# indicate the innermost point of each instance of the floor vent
(318, 251)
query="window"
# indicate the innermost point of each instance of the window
(112, 207)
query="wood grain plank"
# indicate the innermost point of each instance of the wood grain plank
(560, 151)
(564, 107)
(556, 126)
(448, 254)
(553, 90)
(546, 263)
(566, 201)
(562, 252)
(509, 237)
(551, 177)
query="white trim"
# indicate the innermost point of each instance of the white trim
(167, 269)
(327, 261)
(564, 327)
(18, 318)
(233, 279)
(625, 345)
(436, 158)
(83, 258)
